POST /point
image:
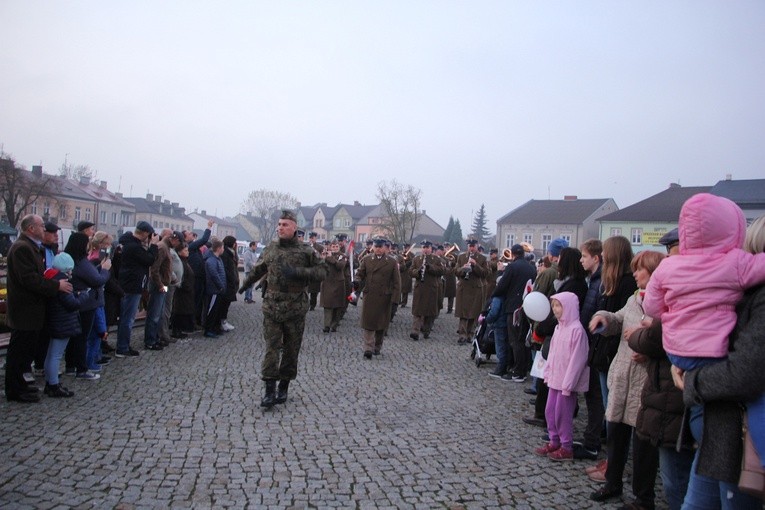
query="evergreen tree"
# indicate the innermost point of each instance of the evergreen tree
(456, 237)
(479, 230)
(448, 231)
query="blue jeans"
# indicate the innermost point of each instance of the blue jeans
(128, 309)
(248, 293)
(94, 339)
(604, 387)
(675, 471)
(153, 316)
(500, 343)
(56, 348)
(705, 493)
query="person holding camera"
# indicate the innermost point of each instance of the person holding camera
(139, 251)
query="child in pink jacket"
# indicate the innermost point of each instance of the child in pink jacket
(695, 293)
(566, 373)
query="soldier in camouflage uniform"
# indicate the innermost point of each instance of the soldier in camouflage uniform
(288, 265)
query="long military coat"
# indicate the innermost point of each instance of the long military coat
(404, 265)
(333, 294)
(425, 298)
(450, 282)
(382, 286)
(470, 290)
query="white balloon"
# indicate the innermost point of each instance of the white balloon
(537, 306)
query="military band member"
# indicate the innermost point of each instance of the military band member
(450, 282)
(333, 294)
(314, 287)
(426, 270)
(406, 280)
(491, 279)
(472, 269)
(382, 286)
(288, 266)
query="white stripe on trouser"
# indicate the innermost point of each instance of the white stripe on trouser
(212, 303)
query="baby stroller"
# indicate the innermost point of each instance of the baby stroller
(483, 341)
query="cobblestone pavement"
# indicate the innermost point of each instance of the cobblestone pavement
(418, 427)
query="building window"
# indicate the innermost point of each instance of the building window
(77, 214)
(616, 232)
(567, 237)
(125, 219)
(637, 236)
(33, 209)
(510, 240)
(347, 222)
(62, 212)
(87, 214)
(103, 218)
(46, 209)
(527, 238)
(114, 218)
(362, 238)
(546, 240)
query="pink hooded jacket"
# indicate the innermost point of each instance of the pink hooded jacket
(566, 369)
(695, 293)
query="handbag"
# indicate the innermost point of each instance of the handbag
(752, 479)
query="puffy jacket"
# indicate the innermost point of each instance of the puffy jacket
(135, 263)
(566, 369)
(695, 293)
(215, 275)
(86, 276)
(62, 310)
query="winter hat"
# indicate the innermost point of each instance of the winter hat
(555, 247)
(63, 262)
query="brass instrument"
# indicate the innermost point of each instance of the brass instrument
(469, 268)
(406, 255)
(507, 256)
(447, 255)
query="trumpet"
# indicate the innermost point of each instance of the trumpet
(406, 254)
(507, 256)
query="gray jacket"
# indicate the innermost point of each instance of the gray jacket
(723, 387)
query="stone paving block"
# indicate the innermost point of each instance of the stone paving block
(418, 427)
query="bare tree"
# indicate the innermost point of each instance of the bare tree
(20, 188)
(76, 172)
(401, 209)
(264, 205)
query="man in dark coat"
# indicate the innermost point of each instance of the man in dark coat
(426, 271)
(139, 250)
(314, 287)
(288, 266)
(197, 263)
(382, 285)
(333, 295)
(28, 291)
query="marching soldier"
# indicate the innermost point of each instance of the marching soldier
(471, 271)
(491, 279)
(333, 294)
(288, 266)
(426, 270)
(382, 286)
(450, 282)
(341, 239)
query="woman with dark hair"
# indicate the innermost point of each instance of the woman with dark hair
(617, 285)
(231, 264)
(91, 278)
(626, 379)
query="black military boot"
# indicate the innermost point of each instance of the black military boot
(281, 394)
(269, 399)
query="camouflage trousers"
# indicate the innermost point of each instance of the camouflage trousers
(283, 340)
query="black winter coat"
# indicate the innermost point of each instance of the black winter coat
(603, 348)
(62, 311)
(135, 263)
(86, 276)
(511, 285)
(183, 300)
(196, 259)
(230, 264)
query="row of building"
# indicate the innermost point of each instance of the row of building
(536, 222)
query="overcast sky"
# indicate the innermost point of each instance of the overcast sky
(473, 102)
